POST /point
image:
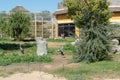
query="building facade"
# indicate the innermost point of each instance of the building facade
(67, 27)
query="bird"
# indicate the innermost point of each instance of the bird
(21, 49)
(60, 50)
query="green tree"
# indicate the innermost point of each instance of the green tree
(3, 23)
(19, 24)
(92, 16)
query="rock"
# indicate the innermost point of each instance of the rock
(115, 42)
(118, 50)
(41, 46)
(115, 46)
(75, 42)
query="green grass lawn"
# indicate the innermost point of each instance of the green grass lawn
(85, 71)
(10, 53)
(4, 40)
(61, 40)
(109, 69)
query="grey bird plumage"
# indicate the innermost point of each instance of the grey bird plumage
(60, 50)
(21, 49)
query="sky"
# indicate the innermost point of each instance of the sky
(31, 5)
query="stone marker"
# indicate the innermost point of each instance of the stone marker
(115, 46)
(41, 46)
(115, 42)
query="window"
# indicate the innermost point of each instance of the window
(68, 30)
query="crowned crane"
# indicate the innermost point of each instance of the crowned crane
(21, 49)
(60, 50)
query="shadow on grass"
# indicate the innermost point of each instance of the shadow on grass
(28, 40)
(13, 46)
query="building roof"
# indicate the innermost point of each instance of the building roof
(114, 8)
(114, 2)
(19, 8)
(61, 11)
(60, 6)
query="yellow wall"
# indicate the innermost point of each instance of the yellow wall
(56, 31)
(77, 32)
(64, 21)
(115, 17)
(62, 18)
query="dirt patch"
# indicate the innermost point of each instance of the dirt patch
(35, 71)
(106, 79)
(55, 44)
(36, 75)
(60, 62)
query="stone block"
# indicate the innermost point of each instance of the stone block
(41, 46)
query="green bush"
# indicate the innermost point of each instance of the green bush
(51, 51)
(93, 23)
(4, 39)
(69, 47)
(10, 53)
(5, 61)
(15, 58)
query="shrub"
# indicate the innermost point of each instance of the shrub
(93, 21)
(68, 47)
(10, 53)
(9, 59)
(4, 39)
(51, 51)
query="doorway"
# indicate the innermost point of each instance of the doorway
(67, 29)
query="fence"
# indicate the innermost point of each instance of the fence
(41, 26)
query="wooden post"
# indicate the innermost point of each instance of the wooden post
(35, 25)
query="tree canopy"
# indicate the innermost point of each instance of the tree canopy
(88, 11)
(92, 16)
(19, 24)
(3, 23)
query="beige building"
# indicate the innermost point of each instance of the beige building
(66, 26)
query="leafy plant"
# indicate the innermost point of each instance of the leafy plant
(19, 23)
(9, 59)
(4, 39)
(69, 47)
(93, 18)
(51, 51)
(9, 55)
